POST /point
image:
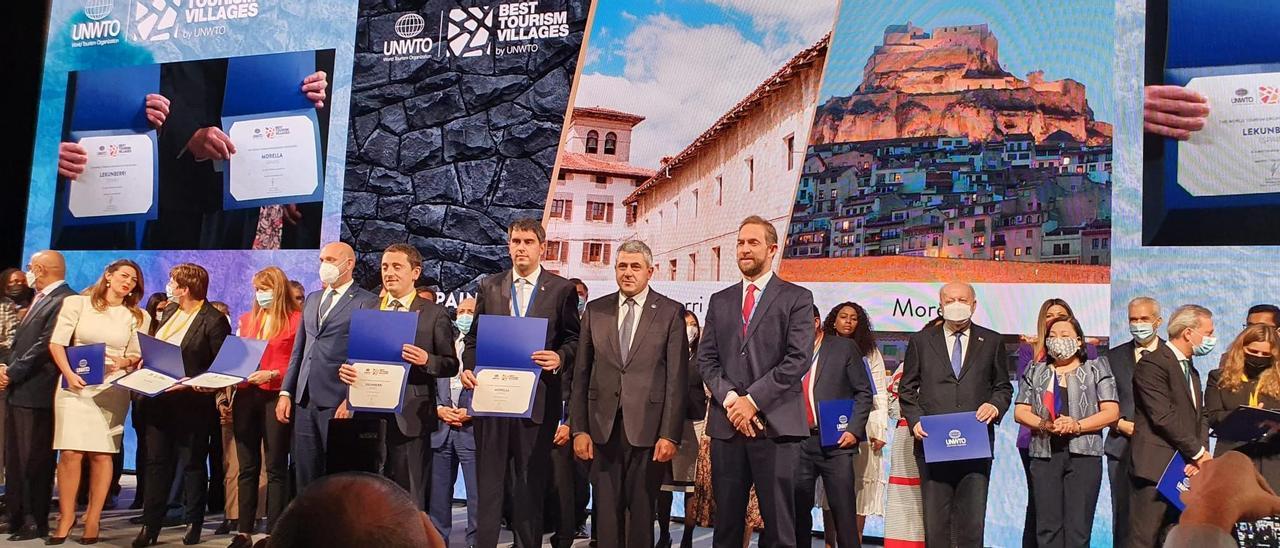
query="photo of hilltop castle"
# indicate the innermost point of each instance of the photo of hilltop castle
(940, 161)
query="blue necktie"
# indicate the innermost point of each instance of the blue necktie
(957, 354)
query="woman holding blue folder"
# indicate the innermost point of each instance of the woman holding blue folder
(89, 420)
(1249, 376)
(1066, 400)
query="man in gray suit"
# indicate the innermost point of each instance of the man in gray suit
(757, 344)
(430, 357)
(629, 386)
(31, 378)
(311, 388)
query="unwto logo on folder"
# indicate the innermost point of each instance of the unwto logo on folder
(956, 439)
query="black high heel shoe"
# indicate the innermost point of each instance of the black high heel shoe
(146, 537)
(54, 541)
(193, 534)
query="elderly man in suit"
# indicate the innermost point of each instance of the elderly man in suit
(955, 367)
(1144, 320)
(1168, 419)
(431, 357)
(522, 446)
(758, 343)
(312, 390)
(30, 378)
(629, 387)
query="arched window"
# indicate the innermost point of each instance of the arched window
(593, 141)
(611, 143)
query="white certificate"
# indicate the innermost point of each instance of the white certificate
(118, 179)
(378, 387)
(213, 380)
(1238, 151)
(275, 158)
(146, 381)
(504, 391)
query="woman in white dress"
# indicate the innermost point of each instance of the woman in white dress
(89, 420)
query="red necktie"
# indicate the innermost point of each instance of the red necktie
(748, 305)
(808, 403)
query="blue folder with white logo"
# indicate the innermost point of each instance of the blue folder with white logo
(1174, 481)
(380, 335)
(833, 420)
(955, 436)
(88, 361)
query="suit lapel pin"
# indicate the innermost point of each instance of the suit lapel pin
(980, 339)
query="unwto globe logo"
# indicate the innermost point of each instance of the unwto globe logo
(97, 10)
(410, 25)
(154, 20)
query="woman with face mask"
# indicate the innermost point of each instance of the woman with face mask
(1249, 376)
(683, 467)
(1066, 400)
(274, 318)
(16, 287)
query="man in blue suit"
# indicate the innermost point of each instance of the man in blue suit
(312, 389)
(757, 345)
(454, 442)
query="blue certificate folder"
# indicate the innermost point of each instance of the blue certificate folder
(380, 335)
(508, 342)
(88, 361)
(833, 420)
(269, 86)
(162, 357)
(955, 436)
(239, 357)
(1174, 481)
(1246, 424)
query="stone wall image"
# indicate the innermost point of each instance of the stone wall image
(444, 151)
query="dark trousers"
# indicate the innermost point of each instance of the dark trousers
(1028, 524)
(521, 449)
(835, 467)
(253, 421)
(1118, 469)
(408, 462)
(568, 499)
(1066, 494)
(955, 500)
(28, 463)
(626, 482)
(769, 464)
(1150, 514)
(310, 437)
(136, 418)
(451, 455)
(178, 429)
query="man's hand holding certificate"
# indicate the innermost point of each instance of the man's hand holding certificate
(379, 350)
(510, 356)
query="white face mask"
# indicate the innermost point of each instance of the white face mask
(957, 311)
(31, 279)
(692, 332)
(329, 273)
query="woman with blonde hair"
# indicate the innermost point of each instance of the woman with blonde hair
(1249, 376)
(89, 420)
(275, 318)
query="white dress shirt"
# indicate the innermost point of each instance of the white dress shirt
(523, 287)
(950, 341)
(635, 319)
(1138, 348)
(338, 292)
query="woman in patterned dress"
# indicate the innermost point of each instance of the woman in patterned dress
(904, 507)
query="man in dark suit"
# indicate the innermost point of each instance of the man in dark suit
(522, 446)
(454, 442)
(950, 368)
(629, 385)
(430, 357)
(311, 387)
(1144, 320)
(836, 373)
(568, 497)
(30, 379)
(1167, 419)
(758, 343)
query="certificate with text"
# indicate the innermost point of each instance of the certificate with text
(504, 392)
(1238, 151)
(379, 387)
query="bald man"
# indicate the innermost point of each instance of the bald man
(312, 394)
(31, 378)
(952, 368)
(354, 509)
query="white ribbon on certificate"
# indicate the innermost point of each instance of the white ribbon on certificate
(1238, 151)
(118, 179)
(275, 158)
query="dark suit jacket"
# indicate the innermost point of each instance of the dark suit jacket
(1122, 363)
(767, 364)
(465, 435)
(649, 387)
(1165, 418)
(930, 387)
(1218, 403)
(203, 339)
(842, 376)
(32, 373)
(435, 335)
(557, 301)
(319, 350)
